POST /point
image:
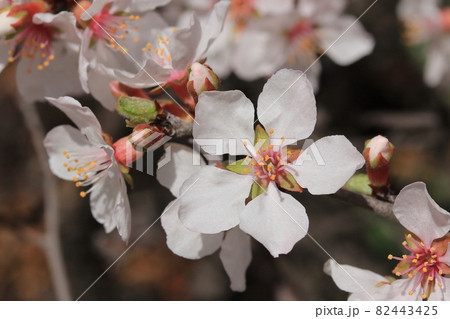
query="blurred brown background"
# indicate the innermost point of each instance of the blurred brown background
(381, 94)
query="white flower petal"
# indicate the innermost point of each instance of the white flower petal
(212, 28)
(236, 255)
(345, 40)
(177, 166)
(258, 53)
(321, 11)
(353, 279)
(82, 116)
(59, 78)
(271, 7)
(436, 65)
(276, 220)
(64, 138)
(184, 242)
(109, 203)
(287, 105)
(146, 5)
(224, 119)
(419, 213)
(212, 199)
(326, 165)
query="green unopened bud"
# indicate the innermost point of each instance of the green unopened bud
(201, 78)
(137, 110)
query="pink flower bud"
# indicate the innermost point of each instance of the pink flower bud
(201, 78)
(378, 153)
(124, 152)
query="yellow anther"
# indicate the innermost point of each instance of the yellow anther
(46, 63)
(430, 278)
(424, 296)
(112, 46)
(78, 184)
(40, 67)
(404, 257)
(245, 143)
(123, 25)
(424, 269)
(65, 152)
(414, 260)
(410, 292)
(75, 179)
(405, 243)
(289, 153)
(42, 45)
(266, 158)
(83, 194)
(278, 158)
(398, 273)
(65, 164)
(246, 170)
(439, 284)
(271, 146)
(271, 131)
(409, 236)
(174, 29)
(137, 18)
(422, 244)
(131, 17)
(257, 173)
(283, 163)
(432, 249)
(264, 150)
(51, 57)
(122, 37)
(136, 40)
(272, 177)
(282, 138)
(67, 156)
(253, 163)
(10, 59)
(261, 164)
(441, 272)
(410, 275)
(390, 257)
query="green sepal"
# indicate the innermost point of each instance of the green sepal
(126, 175)
(359, 183)
(137, 110)
(287, 181)
(258, 188)
(261, 136)
(241, 167)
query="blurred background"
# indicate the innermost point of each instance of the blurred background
(383, 93)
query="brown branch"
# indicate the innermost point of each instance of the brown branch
(381, 207)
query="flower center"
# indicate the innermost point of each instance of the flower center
(267, 162)
(423, 264)
(88, 166)
(302, 41)
(159, 50)
(35, 42)
(241, 11)
(114, 29)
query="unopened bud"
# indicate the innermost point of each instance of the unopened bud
(145, 136)
(201, 78)
(124, 152)
(378, 153)
(137, 110)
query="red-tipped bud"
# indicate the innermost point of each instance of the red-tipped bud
(144, 136)
(79, 9)
(201, 78)
(378, 153)
(445, 19)
(124, 152)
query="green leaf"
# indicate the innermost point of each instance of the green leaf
(359, 183)
(137, 110)
(261, 137)
(241, 167)
(288, 182)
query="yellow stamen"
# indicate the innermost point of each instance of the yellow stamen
(83, 194)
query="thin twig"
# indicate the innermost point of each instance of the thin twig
(379, 206)
(51, 218)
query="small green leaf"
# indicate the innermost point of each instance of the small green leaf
(137, 110)
(359, 183)
(261, 137)
(241, 167)
(288, 182)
